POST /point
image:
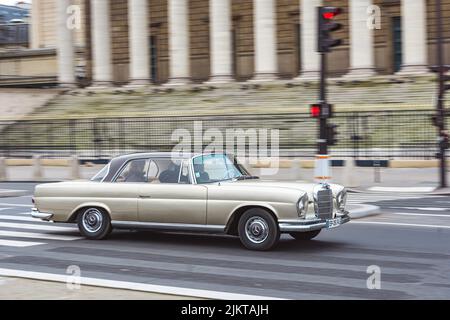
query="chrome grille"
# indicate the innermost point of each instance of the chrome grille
(325, 204)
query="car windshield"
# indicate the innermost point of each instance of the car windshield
(101, 174)
(217, 167)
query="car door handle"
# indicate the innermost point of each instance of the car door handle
(145, 197)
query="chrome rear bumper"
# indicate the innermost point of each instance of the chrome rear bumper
(35, 213)
(310, 225)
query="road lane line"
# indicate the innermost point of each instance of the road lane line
(400, 224)
(136, 286)
(17, 218)
(32, 235)
(35, 226)
(419, 214)
(18, 244)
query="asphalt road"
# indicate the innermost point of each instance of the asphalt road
(409, 241)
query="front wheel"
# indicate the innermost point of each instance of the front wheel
(94, 223)
(258, 230)
(309, 235)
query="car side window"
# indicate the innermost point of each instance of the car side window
(170, 170)
(134, 171)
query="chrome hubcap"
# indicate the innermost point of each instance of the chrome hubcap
(256, 229)
(92, 220)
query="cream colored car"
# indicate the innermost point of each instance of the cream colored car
(200, 192)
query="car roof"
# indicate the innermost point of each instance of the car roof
(184, 155)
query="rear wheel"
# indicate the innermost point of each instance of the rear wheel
(309, 235)
(94, 223)
(258, 230)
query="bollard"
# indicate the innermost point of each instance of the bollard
(295, 169)
(74, 168)
(350, 175)
(3, 173)
(37, 168)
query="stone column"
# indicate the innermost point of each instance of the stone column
(264, 26)
(310, 58)
(414, 37)
(362, 59)
(65, 47)
(101, 43)
(34, 31)
(179, 69)
(138, 21)
(221, 41)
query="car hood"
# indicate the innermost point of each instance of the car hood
(302, 186)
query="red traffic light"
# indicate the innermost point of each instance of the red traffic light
(330, 12)
(329, 15)
(315, 110)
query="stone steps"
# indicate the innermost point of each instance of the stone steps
(264, 98)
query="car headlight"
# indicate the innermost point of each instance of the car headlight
(302, 205)
(341, 200)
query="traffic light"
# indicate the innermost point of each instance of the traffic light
(323, 111)
(332, 134)
(326, 26)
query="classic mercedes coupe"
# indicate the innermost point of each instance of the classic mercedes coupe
(196, 192)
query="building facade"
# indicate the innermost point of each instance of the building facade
(219, 41)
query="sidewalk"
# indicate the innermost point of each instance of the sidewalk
(26, 289)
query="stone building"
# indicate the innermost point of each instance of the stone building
(219, 41)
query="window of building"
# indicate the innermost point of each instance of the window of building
(397, 43)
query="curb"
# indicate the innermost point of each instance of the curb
(12, 193)
(135, 286)
(363, 210)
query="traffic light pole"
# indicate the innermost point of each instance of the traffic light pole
(322, 142)
(440, 101)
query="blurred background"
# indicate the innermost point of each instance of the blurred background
(94, 79)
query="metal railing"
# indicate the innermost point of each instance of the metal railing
(362, 135)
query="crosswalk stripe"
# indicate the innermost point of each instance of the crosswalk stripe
(18, 218)
(421, 214)
(32, 235)
(401, 224)
(19, 244)
(35, 226)
(16, 205)
(421, 208)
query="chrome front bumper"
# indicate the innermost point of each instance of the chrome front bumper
(35, 213)
(310, 225)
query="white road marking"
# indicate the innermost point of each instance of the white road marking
(17, 218)
(177, 291)
(16, 205)
(419, 214)
(421, 209)
(32, 235)
(35, 226)
(19, 244)
(1, 209)
(402, 189)
(400, 224)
